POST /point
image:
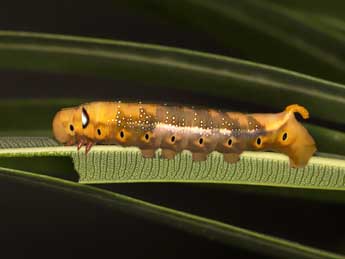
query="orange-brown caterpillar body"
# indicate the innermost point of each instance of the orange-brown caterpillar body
(175, 128)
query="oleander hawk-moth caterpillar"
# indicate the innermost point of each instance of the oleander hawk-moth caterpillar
(177, 128)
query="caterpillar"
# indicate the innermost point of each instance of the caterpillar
(176, 128)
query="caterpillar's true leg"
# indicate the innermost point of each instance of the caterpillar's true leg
(88, 147)
(81, 143)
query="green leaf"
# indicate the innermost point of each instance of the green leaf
(327, 140)
(23, 142)
(36, 115)
(210, 229)
(174, 68)
(263, 31)
(114, 164)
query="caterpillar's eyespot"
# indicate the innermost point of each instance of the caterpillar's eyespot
(258, 141)
(173, 139)
(84, 118)
(229, 142)
(71, 127)
(122, 134)
(99, 132)
(147, 136)
(285, 136)
(201, 140)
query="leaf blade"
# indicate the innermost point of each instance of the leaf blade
(211, 229)
(114, 164)
(264, 31)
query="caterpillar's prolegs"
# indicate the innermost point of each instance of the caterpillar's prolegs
(199, 156)
(168, 154)
(148, 153)
(231, 157)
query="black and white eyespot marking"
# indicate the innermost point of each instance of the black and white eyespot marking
(84, 118)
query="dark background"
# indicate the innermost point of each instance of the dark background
(110, 19)
(50, 224)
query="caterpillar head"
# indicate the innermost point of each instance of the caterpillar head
(63, 126)
(293, 139)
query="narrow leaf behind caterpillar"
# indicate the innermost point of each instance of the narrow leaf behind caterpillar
(175, 128)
